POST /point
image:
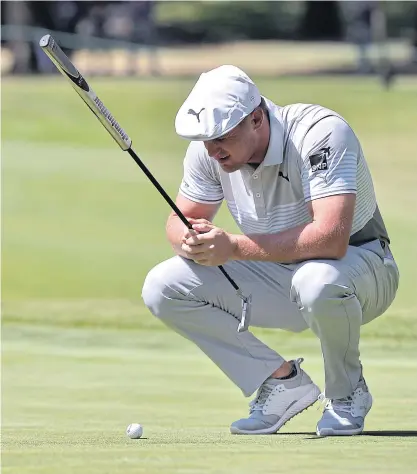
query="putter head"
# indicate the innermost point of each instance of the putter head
(246, 314)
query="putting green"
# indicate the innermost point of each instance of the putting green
(83, 358)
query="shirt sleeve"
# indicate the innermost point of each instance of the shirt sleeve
(200, 182)
(330, 154)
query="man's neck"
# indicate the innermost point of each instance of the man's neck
(263, 148)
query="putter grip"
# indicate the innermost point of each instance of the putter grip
(67, 69)
(58, 57)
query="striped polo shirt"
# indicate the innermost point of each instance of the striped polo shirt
(312, 153)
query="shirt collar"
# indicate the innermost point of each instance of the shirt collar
(275, 152)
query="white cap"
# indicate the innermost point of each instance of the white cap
(219, 101)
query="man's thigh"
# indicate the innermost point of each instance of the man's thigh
(369, 274)
(375, 276)
(268, 283)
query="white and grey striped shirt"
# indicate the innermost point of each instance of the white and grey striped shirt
(312, 153)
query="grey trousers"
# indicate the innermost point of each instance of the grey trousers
(332, 297)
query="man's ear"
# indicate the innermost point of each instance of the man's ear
(258, 118)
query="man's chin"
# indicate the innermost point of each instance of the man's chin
(229, 168)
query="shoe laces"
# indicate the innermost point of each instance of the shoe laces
(337, 404)
(342, 404)
(261, 397)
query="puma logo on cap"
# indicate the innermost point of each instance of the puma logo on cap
(193, 112)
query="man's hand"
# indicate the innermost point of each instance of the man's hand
(207, 244)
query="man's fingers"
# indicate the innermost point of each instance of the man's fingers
(194, 249)
(191, 220)
(189, 233)
(192, 240)
(200, 238)
(195, 237)
(202, 227)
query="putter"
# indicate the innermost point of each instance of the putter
(67, 69)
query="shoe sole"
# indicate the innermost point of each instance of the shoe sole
(331, 432)
(298, 407)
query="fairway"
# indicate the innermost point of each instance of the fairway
(82, 356)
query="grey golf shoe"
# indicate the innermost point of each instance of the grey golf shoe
(276, 402)
(346, 416)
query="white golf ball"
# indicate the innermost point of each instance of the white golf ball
(134, 431)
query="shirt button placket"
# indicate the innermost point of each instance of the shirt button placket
(259, 200)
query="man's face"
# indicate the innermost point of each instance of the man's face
(238, 147)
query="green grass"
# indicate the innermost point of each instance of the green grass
(83, 358)
(69, 395)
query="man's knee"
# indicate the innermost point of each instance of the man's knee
(316, 284)
(168, 283)
(161, 284)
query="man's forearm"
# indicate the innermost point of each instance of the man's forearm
(175, 231)
(300, 243)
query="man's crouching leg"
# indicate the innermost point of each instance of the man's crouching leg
(326, 297)
(197, 302)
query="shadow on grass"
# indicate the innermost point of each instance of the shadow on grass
(394, 433)
(382, 433)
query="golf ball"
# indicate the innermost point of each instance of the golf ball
(134, 431)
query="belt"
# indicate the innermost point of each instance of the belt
(384, 242)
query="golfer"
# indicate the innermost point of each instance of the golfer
(313, 249)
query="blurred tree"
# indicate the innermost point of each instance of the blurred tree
(400, 17)
(225, 21)
(414, 40)
(357, 17)
(321, 21)
(18, 15)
